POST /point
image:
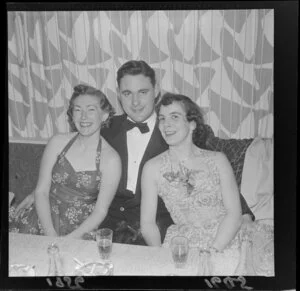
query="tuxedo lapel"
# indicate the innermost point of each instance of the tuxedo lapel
(155, 146)
(119, 142)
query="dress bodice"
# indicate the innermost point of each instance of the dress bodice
(192, 196)
(83, 184)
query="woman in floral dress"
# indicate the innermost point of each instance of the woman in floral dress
(199, 190)
(79, 174)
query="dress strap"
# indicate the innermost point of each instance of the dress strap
(98, 154)
(69, 144)
(66, 148)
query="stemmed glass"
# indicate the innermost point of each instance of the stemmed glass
(104, 243)
(180, 251)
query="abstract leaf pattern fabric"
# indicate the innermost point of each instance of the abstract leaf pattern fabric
(222, 59)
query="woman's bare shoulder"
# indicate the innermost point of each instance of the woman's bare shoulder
(155, 162)
(219, 157)
(60, 140)
(208, 153)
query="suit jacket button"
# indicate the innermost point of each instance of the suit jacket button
(122, 208)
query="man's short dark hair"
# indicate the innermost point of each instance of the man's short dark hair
(136, 68)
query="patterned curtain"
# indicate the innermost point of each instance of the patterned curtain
(222, 59)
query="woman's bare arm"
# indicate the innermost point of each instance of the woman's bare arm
(149, 199)
(231, 199)
(44, 182)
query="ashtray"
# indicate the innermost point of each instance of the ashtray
(94, 269)
(20, 270)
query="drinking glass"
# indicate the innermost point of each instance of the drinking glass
(104, 242)
(180, 251)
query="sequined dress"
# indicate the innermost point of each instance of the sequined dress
(72, 196)
(194, 200)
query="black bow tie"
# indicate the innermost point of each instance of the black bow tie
(143, 127)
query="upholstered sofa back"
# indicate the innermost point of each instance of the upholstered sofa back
(234, 149)
(25, 158)
(24, 164)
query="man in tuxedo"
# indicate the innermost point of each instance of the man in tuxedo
(136, 137)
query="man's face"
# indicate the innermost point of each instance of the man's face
(137, 96)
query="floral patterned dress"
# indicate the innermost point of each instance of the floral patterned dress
(72, 196)
(194, 200)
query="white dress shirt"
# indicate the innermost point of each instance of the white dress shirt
(137, 143)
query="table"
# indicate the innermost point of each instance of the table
(128, 260)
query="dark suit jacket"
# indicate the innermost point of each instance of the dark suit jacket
(126, 205)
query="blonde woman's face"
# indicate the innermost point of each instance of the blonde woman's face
(87, 114)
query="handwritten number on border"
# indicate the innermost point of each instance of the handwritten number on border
(68, 280)
(228, 281)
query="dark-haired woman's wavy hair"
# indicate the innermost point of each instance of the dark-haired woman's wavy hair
(193, 113)
(83, 89)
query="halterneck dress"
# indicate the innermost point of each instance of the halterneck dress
(194, 201)
(72, 196)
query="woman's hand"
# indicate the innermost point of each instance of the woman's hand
(72, 236)
(24, 205)
(247, 218)
(52, 233)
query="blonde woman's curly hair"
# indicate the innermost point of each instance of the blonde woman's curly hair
(83, 89)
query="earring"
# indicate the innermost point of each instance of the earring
(104, 124)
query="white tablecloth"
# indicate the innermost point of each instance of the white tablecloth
(127, 259)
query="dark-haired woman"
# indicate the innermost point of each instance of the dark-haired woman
(79, 173)
(199, 190)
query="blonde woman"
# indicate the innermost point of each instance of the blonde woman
(79, 173)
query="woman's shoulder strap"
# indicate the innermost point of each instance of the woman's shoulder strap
(68, 145)
(98, 153)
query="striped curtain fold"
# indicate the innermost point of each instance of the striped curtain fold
(222, 59)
